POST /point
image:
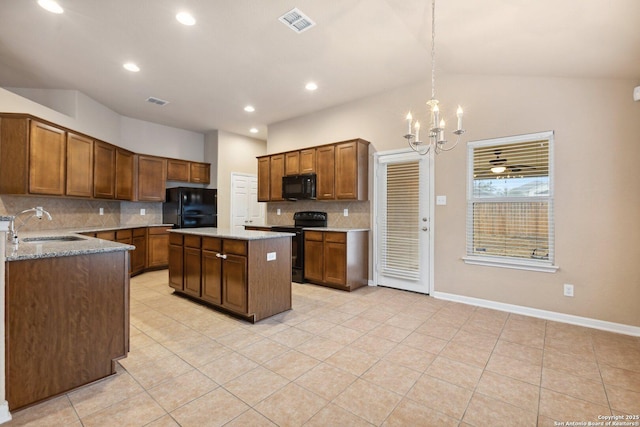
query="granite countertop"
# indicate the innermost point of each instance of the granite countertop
(231, 234)
(55, 248)
(5, 218)
(115, 227)
(338, 229)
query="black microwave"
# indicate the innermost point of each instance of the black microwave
(299, 187)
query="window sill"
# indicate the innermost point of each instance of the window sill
(511, 263)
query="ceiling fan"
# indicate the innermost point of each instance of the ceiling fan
(499, 165)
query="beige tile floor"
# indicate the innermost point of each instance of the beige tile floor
(376, 356)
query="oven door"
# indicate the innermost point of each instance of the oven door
(297, 252)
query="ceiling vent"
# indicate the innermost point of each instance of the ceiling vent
(296, 20)
(157, 101)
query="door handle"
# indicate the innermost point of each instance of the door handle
(425, 228)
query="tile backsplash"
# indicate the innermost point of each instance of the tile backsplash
(79, 213)
(359, 213)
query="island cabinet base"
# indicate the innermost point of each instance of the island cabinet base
(250, 279)
(67, 323)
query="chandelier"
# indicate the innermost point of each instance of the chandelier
(436, 136)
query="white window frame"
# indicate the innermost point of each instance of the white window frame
(542, 265)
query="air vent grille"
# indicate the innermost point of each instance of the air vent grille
(157, 101)
(296, 20)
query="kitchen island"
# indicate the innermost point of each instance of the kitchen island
(67, 313)
(244, 273)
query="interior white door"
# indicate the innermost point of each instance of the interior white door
(245, 208)
(402, 216)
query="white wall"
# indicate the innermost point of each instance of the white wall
(597, 208)
(151, 138)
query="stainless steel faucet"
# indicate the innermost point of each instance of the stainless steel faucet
(13, 231)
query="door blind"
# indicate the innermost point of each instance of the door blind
(399, 252)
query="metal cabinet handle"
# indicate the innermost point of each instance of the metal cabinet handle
(221, 256)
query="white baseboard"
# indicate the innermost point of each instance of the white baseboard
(542, 314)
(5, 415)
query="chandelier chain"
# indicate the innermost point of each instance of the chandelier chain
(433, 49)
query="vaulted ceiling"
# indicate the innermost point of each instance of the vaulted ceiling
(238, 53)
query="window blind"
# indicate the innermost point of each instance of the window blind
(399, 252)
(510, 203)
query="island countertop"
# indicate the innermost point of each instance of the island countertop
(226, 233)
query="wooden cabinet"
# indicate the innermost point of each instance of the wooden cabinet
(104, 170)
(264, 180)
(276, 172)
(124, 174)
(157, 247)
(176, 261)
(139, 254)
(308, 160)
(67, 321)
(47, 159)
(200, 173)
(326, 173)
(79, 168)
(352, 166)
(249, 278)
(337, 259)
(151, 178)
(177, 170)
(292, 163)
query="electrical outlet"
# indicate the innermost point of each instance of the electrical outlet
(143, 211)
(346, 212)
(568, 290)
(278, 211)
(39, 210)
(441, 200)
(101, 211)
(271, 256)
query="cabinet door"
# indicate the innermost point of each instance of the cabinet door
(176, 267)
(46, 159)
(292, 163)
(313, 256)
(200, 173)
(124, 174)
(104, 170)
(234, 283)
(177, 170)
(151, 178)
(139, 255)
(157, 247)
(79, 166)
(308, 160)
(335, 258)
(347, 170)
(263, 179)
(325, 170)
(192, 267)
(276, 172)
(211, 277)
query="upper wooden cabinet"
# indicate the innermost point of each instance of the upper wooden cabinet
(152, 174)
(79, 166)
(47, 160)
(308, 160)
(342, 171)
(104, 170)
(177, 170)
(124, 174)
(264, 180)
(276, 172)
(200, 172)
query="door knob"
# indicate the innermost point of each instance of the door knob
(425, 228)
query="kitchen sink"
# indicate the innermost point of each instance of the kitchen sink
(52, 239)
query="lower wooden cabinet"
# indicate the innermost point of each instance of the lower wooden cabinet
(157, 247)
(248, 278)
(139, 254)
(337, 259)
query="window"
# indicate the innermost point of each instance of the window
(510, 202)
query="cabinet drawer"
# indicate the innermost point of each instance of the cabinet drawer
(123, 234)
(236, 247)
(106, 235)
(139, 232)
(313, 235)
(192, 241)
(212, 244)
(335, 237)
(175, 239)
(158, 230)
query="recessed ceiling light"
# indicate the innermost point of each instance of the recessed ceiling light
(51, 6)
(311, 86)
(185, 18)
(249, 109)
(131, 67)
(253, 130)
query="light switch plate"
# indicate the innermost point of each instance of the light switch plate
(346, 212)
(143, 211)
(101, 211)
(271, 256)
(278, 211)
(441, 200)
